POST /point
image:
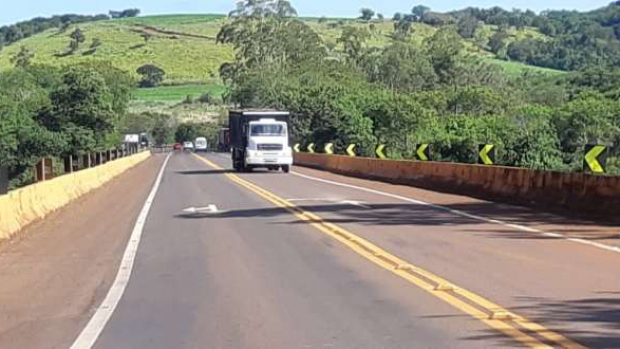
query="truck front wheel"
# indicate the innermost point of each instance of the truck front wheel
(286, 168)
(246, 167)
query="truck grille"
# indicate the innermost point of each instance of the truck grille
(269, 147)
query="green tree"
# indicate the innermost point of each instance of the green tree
(367, 14)
(497, 41)
(266, 32)
(536, 144)
(467, 26)
(77, 37)
(354, 41)
(152, 75)
(162, 130)
(402, 28)
(445, 47)
(83, 101)
(23, 58)
(403, 66)
(186, 132)
(22, 140)
(419, 11)
(118, 82)
(589, 118)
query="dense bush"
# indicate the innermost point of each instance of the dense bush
(152, 75)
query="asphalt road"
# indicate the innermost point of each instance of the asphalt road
(254, 275)
(291, 261)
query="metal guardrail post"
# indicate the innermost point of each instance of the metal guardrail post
(4, 180)
(44, 170)
(86, 161)
(69, 164)
(75, 160)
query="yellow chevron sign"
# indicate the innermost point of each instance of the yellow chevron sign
(595, 158)
(296, 148)
(423, 151)
(351, 150)
(380, 151)
(329, 148)
(487, 154)
(311, 148)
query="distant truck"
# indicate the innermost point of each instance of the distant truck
(200, 144)
(223, 140)
(260, 138)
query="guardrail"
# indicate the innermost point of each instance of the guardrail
(45, 169)
(578, 192)
(25, 205)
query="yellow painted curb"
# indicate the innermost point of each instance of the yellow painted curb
(26, 205)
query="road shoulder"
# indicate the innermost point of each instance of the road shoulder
(57, 270)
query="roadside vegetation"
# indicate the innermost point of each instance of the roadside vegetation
(411, 91)
(50, 111)
(71, 84)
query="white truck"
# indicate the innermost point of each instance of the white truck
(260, 138)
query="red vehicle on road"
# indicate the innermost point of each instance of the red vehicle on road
(177, 146)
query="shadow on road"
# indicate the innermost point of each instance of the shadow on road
(222, 171)
(204, 172)
(596, 321)
(414, 214)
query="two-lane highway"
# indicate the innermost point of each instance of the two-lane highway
(269, 260)
(252, 276)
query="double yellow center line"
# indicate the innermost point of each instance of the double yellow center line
(495, 316)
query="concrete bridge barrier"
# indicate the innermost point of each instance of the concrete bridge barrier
(577, 192)
(25, 205)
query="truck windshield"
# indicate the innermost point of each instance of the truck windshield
(268, 130)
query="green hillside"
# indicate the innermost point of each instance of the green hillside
(184, 46)
(185, 59)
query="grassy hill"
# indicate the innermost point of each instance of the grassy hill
(184, 46)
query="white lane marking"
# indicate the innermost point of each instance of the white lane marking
(465, 214)
(98, 321)
(334, 201)
(207, 209)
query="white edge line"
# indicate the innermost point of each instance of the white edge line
(100, 318)
(465, 214)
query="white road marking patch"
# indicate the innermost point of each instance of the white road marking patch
(465, 214)
(207, 209)
(98, 321)
(355, 203)
(313, 199)
(336, 201)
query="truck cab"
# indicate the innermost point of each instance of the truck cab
(260, 139)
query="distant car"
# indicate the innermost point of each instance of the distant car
(188, 146)
(201, 144)
(177, 146)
